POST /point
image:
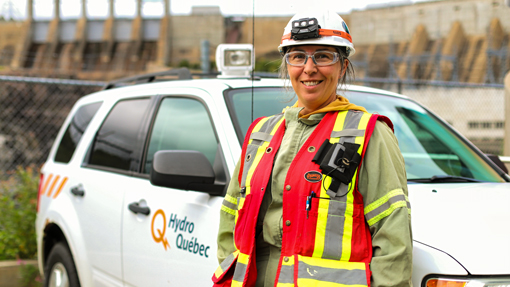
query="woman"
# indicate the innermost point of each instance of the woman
(319, 195)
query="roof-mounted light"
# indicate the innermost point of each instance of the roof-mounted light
(235, 60)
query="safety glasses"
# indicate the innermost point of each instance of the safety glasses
(320, 58)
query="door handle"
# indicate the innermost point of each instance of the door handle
(136, 208)
(78, 190)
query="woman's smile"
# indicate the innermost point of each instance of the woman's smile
(311, 83)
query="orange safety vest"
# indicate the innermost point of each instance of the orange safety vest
(325, 238)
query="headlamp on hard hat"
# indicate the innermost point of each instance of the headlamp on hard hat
(305, 28)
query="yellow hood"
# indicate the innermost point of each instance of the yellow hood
(340, 104)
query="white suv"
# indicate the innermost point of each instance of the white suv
(132, 189)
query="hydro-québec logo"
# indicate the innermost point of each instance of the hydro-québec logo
(183, 228)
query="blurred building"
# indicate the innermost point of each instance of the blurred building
(449, 40)
(107, 48)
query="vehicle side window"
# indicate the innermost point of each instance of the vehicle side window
(182, 124)
(116, 141)
(74, 131)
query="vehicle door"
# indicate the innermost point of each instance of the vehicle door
(101, 182)
(169, 235)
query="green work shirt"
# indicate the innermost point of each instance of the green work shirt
(382, 171)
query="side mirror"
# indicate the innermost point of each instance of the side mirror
(182, 169)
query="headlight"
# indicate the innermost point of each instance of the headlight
(469, 282)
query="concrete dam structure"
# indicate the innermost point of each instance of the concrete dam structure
(449, 40)
(92, 48)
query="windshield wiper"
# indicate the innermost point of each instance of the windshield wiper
(444, 179)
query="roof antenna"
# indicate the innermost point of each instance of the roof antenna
(253, 69)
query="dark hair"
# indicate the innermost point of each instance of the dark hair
(342, 82)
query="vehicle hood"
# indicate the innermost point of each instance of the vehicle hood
(468, 221)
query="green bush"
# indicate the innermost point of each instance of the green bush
(183, 63)
(18, 204)
(186, 64)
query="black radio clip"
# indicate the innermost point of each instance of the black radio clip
(338, 161)
(305, 28)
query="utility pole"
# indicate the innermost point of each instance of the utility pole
(9, 11)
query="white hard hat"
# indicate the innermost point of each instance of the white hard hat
(328, 29)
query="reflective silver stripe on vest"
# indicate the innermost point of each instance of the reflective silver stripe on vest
(334, 230)
(266, 128)
(272, 122)
(348, 133)
(339, 276)
(336, 212)
(252, 148)
(227, 262)
(351, 123)
(286, 274)
(240, 272)
(261, 136)
(386, 206)
(341, 190)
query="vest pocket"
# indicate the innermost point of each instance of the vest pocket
(339, 208)
(331, 230)
(318, 272)
(334, 207)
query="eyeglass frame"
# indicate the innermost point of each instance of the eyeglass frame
(335, 59)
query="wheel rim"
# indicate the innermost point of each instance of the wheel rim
(58, 276)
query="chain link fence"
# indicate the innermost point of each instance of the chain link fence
(33, 109)
(477, 111)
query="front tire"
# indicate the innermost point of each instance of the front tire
(60, 270)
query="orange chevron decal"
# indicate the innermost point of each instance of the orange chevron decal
(52, 182)
(60, 187)
(43, 191)
(53, 185)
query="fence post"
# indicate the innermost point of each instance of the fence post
(506, 142)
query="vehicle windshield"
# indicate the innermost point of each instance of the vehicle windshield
(431, 149)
